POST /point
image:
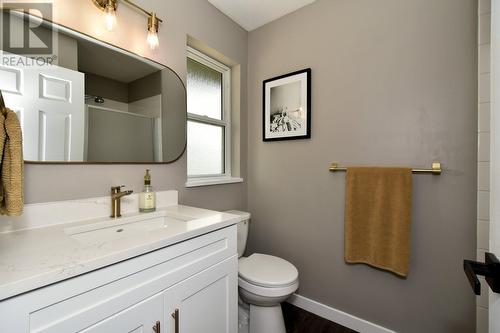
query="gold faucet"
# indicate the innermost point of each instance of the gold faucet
(116, 195)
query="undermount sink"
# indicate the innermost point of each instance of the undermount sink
(113, 229)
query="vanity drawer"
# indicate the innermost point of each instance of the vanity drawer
(136, 319)
(80, 302)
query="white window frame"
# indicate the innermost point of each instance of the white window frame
(225, 123)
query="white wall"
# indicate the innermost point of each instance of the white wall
(483, 166)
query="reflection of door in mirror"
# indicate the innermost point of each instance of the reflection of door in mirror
(49, 104)
(94, 103)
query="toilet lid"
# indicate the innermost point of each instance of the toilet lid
(267, 271)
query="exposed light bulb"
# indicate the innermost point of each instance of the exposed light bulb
(110, 16)
(153, 40)
(153, 32)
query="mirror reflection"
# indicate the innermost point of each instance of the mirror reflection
(92, 102)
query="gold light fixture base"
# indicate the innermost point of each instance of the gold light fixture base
(101, 4)
(109, 8)
(153, 22)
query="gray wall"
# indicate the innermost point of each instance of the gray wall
(394, 83)
(145, 87)
(181, 18)
(68, 52)
(98, 85)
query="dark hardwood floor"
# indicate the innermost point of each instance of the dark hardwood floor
(301, 321)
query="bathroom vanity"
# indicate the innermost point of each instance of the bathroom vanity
(174, 270)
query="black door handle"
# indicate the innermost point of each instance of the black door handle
(490, 269)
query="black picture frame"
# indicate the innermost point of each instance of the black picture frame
(266, 112)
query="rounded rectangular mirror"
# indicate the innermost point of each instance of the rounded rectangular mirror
(87, 101)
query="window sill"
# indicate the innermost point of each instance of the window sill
(195, 182)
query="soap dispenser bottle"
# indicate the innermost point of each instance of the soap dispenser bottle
(147, 198)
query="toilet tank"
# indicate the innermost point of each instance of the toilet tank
(242, 230)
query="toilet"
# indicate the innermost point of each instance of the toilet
(264, 282)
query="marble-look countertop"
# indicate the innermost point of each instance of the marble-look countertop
(34, 258)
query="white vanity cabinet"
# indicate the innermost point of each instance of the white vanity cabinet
(197, 277)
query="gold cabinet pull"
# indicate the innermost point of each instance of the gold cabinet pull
(175, 315)
(157, 327)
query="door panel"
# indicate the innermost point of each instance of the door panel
(206, 302)
(52, 102)
(54, 135)
(11, 81)
(61, 99)
(55, 88)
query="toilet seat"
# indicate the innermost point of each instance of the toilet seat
(268, 291)
(267, 271)
(266, 275)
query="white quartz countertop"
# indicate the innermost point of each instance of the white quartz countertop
(34, 258)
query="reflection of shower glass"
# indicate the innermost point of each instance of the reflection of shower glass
(97, 99)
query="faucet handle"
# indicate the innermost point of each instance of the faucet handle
(117, 189)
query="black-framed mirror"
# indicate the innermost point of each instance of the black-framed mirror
(86, 101)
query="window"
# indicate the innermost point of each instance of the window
(209, 121)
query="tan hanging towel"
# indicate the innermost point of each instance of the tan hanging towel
(378, 218)
(12, 164)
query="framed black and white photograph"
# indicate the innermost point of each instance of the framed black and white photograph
(287, 106)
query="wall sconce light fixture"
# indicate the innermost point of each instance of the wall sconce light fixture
(109, 8)
(153, 32)
(110, 15)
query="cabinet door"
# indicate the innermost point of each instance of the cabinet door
(139, 318)
(206, 302)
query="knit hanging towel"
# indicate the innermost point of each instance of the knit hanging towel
(12, 164)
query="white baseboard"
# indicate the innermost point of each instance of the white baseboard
(337, 316)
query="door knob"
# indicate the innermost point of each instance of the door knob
(490, 269)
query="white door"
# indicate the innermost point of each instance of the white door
(494, 299)
(206, 302)
(49, 101)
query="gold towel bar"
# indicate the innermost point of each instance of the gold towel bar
(436, 169)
